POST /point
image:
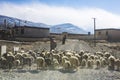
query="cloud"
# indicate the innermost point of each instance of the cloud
(52, 15)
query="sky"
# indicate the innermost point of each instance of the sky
(77, 12)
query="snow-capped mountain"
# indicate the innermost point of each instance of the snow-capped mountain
(67, 27)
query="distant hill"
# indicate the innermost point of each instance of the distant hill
(67, 27)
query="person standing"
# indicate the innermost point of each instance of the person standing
(64, 39)
(53, 44)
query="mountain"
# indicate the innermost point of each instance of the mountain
(12, 21)
(67, 27)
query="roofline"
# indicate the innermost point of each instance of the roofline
(33, 27)
(107, 29)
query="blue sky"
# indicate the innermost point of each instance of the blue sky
(110, 5)
(77, 12)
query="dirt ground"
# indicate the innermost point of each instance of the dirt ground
(80, 74)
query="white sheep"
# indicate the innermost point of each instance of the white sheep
(40, 62)
(63, 59)
(74, 62)
(67, 65)
(56, 56)
(111, 60)
(55, 63)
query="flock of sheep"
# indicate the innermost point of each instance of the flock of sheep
(66, 60)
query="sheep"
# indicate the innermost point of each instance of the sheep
(117, 64)
(79, 58)
(56, 56)
(48, 62)
(47, 55)
(85, 56)
(25, 55)
(9, 53)
(55, 63)
(100, 54)
(81, 53)
(74, 62)
(17, 63)
(28, 61)
(89, 64)
(83, 63)
(3, 63)
(92, 57)
(103, 62)
(33, 54)
(96, 57)
(107, 54)
(19, 56)
(98, 64)
(42, 54)
(111, 60)
(40, 61)
(68, 54)
(63, 59)
(10, 60)
(67, 65)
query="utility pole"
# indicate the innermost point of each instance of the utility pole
(94, 32)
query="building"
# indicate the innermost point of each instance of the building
(12, 28)
(24, 33)
(30, 32)
(108, 34)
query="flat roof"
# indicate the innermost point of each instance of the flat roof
(107, 29)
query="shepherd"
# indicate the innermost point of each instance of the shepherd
(53, 44)
(64, 39)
